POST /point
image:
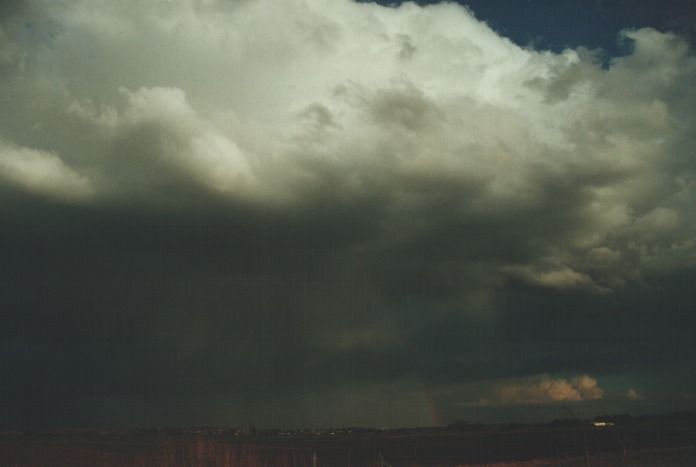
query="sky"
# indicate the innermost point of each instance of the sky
(335, 213)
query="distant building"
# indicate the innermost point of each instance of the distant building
(603, 423)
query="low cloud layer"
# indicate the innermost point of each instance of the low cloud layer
(211, 197)
(540, 390)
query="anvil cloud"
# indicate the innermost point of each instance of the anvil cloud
(313, 212)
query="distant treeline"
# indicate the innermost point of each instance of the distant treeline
(621, 419)
(460, 426)
(457, 426)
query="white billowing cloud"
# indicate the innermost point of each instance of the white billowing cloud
(42, 173)
(581, 177)
(562, 278)
(539, 390)
(658, 221)
(160, 125)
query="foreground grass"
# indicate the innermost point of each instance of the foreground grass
(210, 452)
(666, 443)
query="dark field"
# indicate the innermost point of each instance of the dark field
(667, 443)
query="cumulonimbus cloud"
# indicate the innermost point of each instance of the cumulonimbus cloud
(452, 129)
(472, 154)
(276, 193)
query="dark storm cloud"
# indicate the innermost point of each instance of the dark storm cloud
(367, 209)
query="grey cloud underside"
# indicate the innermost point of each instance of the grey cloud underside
(193, 207)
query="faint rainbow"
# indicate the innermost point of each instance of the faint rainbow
(430, 407)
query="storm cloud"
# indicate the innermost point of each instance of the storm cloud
(331, 212)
